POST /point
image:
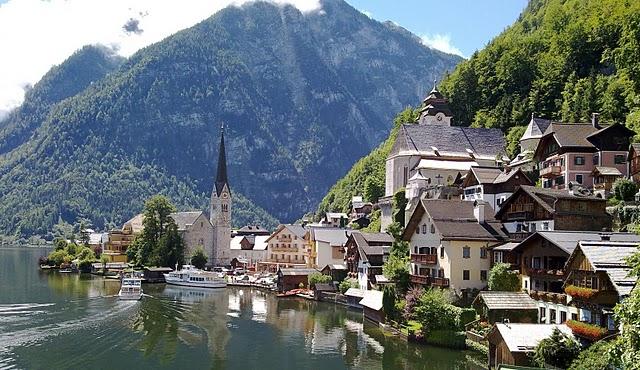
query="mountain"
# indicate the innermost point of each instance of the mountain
(303, 96)
(561, 59)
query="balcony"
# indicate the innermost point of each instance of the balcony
(545, 273)
(519, 236)
(284, 249)
(428, 280)
(551, 171)
(558, 298)
(427, 259)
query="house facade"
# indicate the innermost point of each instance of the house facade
(532, 209)
(287, 247)
(325, 246)
(570, 152)
(119, 239)
(196, 232)
(493, 185)
(449, 243)
(249, 249)
(365, 256)
(634, 162)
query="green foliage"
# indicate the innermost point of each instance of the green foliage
(446, 338)
(558, 350)
(627, 313)
(57, 257)
(502, 278)
(561, 59)
(434, 312)
(318, 278)
(596, 357)
(625, 190)
(159, 243)
(399, 204)
(199, 259)
(346, 284)
(371, 166)
(375, 222)
(389, 302)
(513, 140)
(373, 189)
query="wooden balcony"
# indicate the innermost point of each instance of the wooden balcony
(519, 236)
(430, 281)
(284, 249)
(559, 298)
(427, 259)
(551, 171)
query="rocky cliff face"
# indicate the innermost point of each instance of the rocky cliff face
(303, 96)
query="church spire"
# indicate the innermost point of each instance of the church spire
(221, 175)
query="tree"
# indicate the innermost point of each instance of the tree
(104, 260)
(199, 259)
(396, 268)
(558, 350)
(399, 203)
(317, 278)
(627, 313)
(84, 234)
(502, 278)
(389, 302)
(433, 311)
(373, 188)
(57, 257)
(596, 357)
(160, 242)
(625, 189)
(513, 140)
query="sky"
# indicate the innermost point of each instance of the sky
(38, 34)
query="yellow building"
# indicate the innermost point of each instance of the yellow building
(119, 240)
(287, 247)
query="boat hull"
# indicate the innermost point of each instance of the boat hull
(130, 297)
(196, 284)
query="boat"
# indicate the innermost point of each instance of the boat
(193, 277)
(131, 289)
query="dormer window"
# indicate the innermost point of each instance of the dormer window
(435, 151)
(470, 152)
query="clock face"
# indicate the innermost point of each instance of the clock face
(439, 117)
(224, 195)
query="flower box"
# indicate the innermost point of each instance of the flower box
(578, 292)
(589, 331)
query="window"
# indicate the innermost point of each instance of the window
(596, 159)
(497, 257)
(483, 252)
(552, 316)
(417, 230)
(526, 284)
(619, 159)
(578, 161)
(536, 263)
(532, 227)
(424, 228)
(574, 316)
(483, 275)
(560, 180)
(579, 179)
(415, 249)
(466, 252)
(546, 183)
(405, 176)
(563, 317)
(441, 252)
(465, 274)
(296, 257)
(543, 314)
(433, 229)
(545, 226)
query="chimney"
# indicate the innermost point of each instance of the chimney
(478, 210)
(594, 120)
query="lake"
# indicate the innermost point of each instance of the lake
(53, 320)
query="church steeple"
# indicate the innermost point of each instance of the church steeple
(221, 175)
(435, 108)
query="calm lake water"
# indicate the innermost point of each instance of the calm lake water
(53, 320)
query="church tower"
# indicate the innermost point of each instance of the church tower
(435, 109)
(220, 209)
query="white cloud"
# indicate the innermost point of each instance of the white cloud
(38, 34)
(367, 13)
(442, 43)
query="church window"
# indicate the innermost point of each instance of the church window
(433, 229)
(201, 224)
(424, 228)
(417, 230)
(405, 176)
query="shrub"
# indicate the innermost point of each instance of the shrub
(558, 350)
(446, 338)
(389, 302)
(596, 357)
(586, 330)
(434, 311)
(411, 300)
(346, 284)
(318, 278)
(57, 257)
(583, 293)
(624, 190)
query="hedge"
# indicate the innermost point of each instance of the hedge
(447, 338)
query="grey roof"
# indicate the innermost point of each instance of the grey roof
(362, 240)
(494, 175)
(546, 197)
(453, 140)
(506, 247)
(571, 134)
(335, 267)
(568, 240)
(607, 171)
(495, 300)
(372, 299)
(609, 257)
(536, 128)
(296, 229)
(331, 235)
(297, 271)
(354, 292)
(184, 219)
(325, 287)
(525, 337)
(454, 219)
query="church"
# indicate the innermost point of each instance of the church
(434, 153)
(220, 211)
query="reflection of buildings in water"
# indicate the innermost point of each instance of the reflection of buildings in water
(234, 301)
(324, 340)
(358, 343)
(259, 308)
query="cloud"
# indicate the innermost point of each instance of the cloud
(367, 13)
(39, 34)
(442, 43)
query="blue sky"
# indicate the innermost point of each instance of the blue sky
(467, 24)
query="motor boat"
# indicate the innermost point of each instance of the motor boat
(131, 289)
(193, 277)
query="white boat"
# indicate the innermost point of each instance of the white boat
(193, 277)
(131, 289)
